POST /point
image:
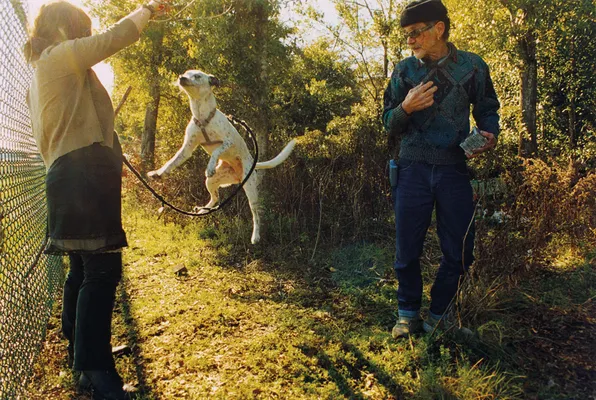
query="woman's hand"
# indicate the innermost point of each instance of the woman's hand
(160, 7)
(141, 16)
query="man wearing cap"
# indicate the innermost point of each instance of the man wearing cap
(427, 109)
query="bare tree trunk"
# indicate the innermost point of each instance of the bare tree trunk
(152, 108)
(262, 93)
(385, 59)
(572, 124)
(572, 107)
(384, 38)
(150, 126)
(526, 44)
(529, 94)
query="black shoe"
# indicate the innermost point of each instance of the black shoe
(105, 385)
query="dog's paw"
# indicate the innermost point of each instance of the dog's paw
(153, 174)
(200, 210)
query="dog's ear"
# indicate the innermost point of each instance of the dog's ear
(213, 81)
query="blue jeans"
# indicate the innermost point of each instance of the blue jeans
(420, 188)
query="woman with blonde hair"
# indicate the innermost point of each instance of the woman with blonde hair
(73, 125)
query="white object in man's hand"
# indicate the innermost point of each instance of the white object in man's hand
(491, 144)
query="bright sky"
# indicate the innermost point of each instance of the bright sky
(104, 71)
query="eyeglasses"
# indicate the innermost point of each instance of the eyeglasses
(417, 32)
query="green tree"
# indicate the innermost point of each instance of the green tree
(568, 89)
(547, 42)
(369, 37)
(319, 86)
(146, 67)
(239, 41)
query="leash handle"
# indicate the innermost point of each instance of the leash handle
(117, 110)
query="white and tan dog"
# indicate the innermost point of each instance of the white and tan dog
(230, 159)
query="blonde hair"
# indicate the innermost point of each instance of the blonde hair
(55, 23)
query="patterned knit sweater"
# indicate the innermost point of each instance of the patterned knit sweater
(433, 135)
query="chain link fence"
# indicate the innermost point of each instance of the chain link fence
(29, 280)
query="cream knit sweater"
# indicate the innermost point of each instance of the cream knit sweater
(69, 106)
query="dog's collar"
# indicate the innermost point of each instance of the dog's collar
(203, 125)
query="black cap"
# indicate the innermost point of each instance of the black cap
(423, 11)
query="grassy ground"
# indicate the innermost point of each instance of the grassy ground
(261, 322)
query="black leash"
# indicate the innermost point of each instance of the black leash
(221, 204)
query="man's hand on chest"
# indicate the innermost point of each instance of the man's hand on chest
(419, 97)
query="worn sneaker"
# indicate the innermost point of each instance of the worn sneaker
(432, 321)
(446, 324)
(406, 326)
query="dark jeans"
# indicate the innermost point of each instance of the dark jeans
(89, 294)
(420, 188)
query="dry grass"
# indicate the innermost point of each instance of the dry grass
(270, 321)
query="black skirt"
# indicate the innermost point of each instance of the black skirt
(83, 191)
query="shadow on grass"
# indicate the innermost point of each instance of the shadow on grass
(132, 333)
(325, 362)
(357, 296)
(354, 370)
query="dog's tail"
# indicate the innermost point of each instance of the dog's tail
(281, 157)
